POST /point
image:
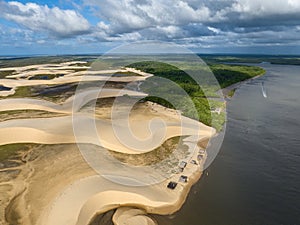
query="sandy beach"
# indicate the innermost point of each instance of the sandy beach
(55, 182)
(96, 195)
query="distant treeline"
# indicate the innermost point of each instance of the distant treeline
(280, 59)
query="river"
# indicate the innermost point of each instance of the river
(255, 179)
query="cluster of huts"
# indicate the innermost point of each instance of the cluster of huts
(183, 179)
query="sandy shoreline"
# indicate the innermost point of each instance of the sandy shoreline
(156, 199)
(153, 199)
(58, 186)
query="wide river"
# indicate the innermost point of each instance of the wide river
(255, 179)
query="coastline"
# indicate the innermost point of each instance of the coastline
(84, 195)
(174, 199)
(228, 90)
(154, 199)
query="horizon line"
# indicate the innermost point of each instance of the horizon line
(99, 54)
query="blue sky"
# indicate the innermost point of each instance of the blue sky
(96, 26)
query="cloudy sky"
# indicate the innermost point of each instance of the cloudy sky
(95, 26)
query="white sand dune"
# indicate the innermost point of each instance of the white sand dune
(115, 135)
(99, 132)
(80, 202)
(133, 216)
(33, 73)
(83, 200)
(20, 78)
(46, 66)
(66, 80)
(69, 105)
(7, 93)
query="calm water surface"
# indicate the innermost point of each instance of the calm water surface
(255, 180)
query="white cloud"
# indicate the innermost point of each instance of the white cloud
(126, 16)
(188, 22)
(58, 22)
(215, 30)
(267, 7)
(177, 19)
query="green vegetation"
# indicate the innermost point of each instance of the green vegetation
(282, 60)
(231, 93)
(7, 151)
(151, 158)
(3, 74)
(231, 74)
(172, 98)
(122, 74)
(27, 113)
(203, 98)
(27, 61)
(44, 77)
(225, 75)
(22, 92)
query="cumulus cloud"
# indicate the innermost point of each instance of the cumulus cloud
(265, 8)
(210, 22)
(57, 22)
(206, 23)
(131, 15)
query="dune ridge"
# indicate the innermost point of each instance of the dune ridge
(81, 201)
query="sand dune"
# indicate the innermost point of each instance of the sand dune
(83, 200)
(133, 216)
(21, 75)
(111, 136)
(131, 133)
(66, 80)
(69, 106)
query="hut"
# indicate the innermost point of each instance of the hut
(182, 165)
(183, 179)
(202, 152)
(172, 185)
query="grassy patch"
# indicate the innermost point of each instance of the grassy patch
(157, 155)
(125, 74)
(44, 77)
(8, 151)
(24, 114)
(22, 92)
(3, 74)
(231, 93)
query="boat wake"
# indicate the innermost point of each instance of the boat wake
(263, 89)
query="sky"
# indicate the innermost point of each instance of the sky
(96, 26)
